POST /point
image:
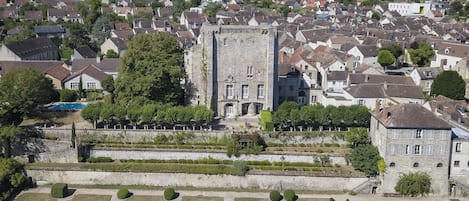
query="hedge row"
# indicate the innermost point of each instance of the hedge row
(266, 120)
(99, 159)
(229, 162)
(59, 190)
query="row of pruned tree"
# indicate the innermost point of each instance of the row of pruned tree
(291, 115)
(153, 114)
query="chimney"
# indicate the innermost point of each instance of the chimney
(98, 59)
(378, 106)
(433, 106)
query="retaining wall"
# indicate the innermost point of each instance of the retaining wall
(198, 180)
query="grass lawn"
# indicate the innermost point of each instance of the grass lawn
(250, 199)
(201, 198)
(34, 196)
(84, 197)
(145, 198)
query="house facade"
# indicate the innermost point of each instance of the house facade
(29, 49)
(234, 69)
(410, 139)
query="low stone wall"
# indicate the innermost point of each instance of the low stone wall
(198, 180)
(142, 135)
(42, 150)
(175, 154)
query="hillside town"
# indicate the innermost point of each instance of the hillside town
(239, 100)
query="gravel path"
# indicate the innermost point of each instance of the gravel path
(230, 195)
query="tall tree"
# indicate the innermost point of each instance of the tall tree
(108, 84)
(22, 93)
(365, 158)
(449, 84)
(395, 49)
(421, 55)
(151, 70)
(385, 58)
(101, 30)
(413, 184)
(7, 135)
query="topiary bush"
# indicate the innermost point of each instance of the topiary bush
(275, 196)
(169, 194)
(123, 193)
(290, 195)
(240, 167)
(59, 190)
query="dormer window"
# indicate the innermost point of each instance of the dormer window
(447, 50)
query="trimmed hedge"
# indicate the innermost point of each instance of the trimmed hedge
(169, 194)
(266, 120)
(275, 196)
(99, 160)
(123, 193)
(290, 195)
(59, 190)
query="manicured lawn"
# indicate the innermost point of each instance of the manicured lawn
(250, 199)
(34, 196)
(145, 198)
(201, 198)
(84, 197)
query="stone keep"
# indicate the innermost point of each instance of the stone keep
(233, 69)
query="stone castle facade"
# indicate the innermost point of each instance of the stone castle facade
(233, 69)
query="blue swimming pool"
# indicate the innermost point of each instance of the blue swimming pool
(67, 106)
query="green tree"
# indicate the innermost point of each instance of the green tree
(111, 54)
(179, 7)
(455, 8)
(449, 84)
(365, 158)
(23, 35)
(95, 5)
(421, 55)
(376, 16)
(67, 95)
(358, 137)
(108, 84)
(275, 196)
(101, 30)
(266, 3)
(10, 177)
(290, 195)
(413, 184)
(22, 93)
(295, 118)
(151, 70)
(74, 135)
(386, 58)
(7, 135)
(285, 10)
(395, 49)
(92, 113)
(195, 3)
(106, 113)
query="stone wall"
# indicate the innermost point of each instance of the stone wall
(142, 135)
(42, 150)
(176, 154)
(198, 180)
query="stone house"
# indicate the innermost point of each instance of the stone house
(110, 66)
(117, 45)
(83, 52)
(424, 77)
(30, 49)
(57, 71)
(233, 70)
(90, 77)
(367, 54)
(411, 138)
(448, 55)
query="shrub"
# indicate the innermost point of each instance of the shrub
(67, 95)
(99, 160)
(240, 167)
(331, 199)
(352, 193)
(169, 194)
(123, 193)
(290, 195)
(59, 190)
(275, 196)
(266, 120)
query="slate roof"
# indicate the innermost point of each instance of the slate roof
(90, 70)
(429, 73)
(106, 65)
(33, 15)
(86, 52)
(46, 29)
(368, 50)
(53, 68)
(409, 116)
(32, 46)
(337, 75)
(358, 78)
